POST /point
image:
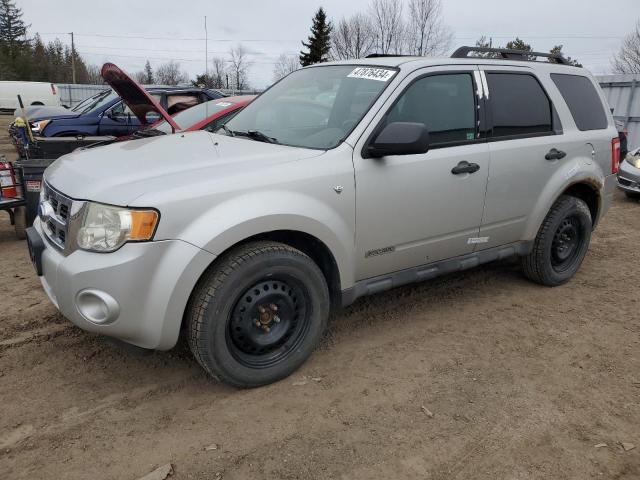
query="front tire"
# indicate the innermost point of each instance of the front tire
(257, 314)
(561, 243)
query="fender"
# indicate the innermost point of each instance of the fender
(579, 170)
(254, 213)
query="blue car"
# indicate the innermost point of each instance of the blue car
(106, 114)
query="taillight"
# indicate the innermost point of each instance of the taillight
(53, 89)
(615, 154)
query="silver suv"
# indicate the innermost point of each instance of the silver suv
(343, 179)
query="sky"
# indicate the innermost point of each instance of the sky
(128, 32)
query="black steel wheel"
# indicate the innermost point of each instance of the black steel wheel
(561, 244)
(566, 243)
(268, 322)
(257, 314)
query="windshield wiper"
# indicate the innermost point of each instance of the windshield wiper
(149, 132)
(227, 130)
(255, 135)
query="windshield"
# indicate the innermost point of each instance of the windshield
(314, 107)
(94, 102)
(189, 117)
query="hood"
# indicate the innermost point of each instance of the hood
(121, 172)
(136, 97)
(43, 112)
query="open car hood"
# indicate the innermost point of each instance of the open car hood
(136, 97)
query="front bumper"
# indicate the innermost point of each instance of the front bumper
(137, 294)
(629, 178)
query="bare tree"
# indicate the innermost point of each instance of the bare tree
(285, 65)
(353, 38)
(425, 32)
(388, 26)
(219, 73)
(170, 74)
(94, 77)
(627, 60)
(239, 66)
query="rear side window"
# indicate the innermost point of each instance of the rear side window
(519, 105)
(583, 101)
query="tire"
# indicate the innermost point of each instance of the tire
(257, 314)
(561, 243)
(20, 222)
(632, 195)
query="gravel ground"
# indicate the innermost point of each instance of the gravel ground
(477, 375)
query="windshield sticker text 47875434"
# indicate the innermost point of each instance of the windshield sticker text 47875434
(372, 73)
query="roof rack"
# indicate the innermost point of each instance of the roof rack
(382, 55)
(506, 53)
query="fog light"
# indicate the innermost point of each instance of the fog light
(97, 307)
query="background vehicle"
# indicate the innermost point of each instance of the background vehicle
(106, 114)
(208, 116)
(32, 93)
(629, 174)
(43, 112)
(248, 237)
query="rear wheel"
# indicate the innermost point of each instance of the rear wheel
(258, 314)
(561, 243)
(632, 195)
(20, 222)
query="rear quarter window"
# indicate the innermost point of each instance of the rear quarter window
(583, 101)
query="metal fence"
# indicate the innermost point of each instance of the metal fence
(623, 94)
(73, 94)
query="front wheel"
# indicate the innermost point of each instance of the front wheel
(258, 314)
(561, 243)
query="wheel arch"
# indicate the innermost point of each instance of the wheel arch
(309, 244)
(586, 184)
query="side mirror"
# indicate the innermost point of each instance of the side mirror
(400, 138)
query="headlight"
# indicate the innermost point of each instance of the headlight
(106, 228)
(633, 160)
(38, 127)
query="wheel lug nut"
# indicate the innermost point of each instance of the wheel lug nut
(257, 322)
(276, 319)
(273, 307)
(266, 328)
(261, 309)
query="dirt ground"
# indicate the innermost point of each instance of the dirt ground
(517, 382)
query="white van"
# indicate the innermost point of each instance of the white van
(33, 93)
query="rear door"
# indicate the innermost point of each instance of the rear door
(524, 128)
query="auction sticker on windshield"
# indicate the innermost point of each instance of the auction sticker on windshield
(372, 73)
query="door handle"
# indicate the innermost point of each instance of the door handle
(465, 167)
(555, 154)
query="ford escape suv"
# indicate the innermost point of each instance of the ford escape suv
(343, 179)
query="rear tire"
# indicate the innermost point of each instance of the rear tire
(632, 195)
(20, 222)
(257, 314)
(561, 243)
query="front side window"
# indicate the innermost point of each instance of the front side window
(519, 105)
(445, 104)
(315, 107)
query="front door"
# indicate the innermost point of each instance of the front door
(118, 120)
(413, 210)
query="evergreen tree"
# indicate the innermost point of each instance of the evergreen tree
(558, 50)
(319, 42)
(13, 31)
(148, 74)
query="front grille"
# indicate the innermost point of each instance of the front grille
(54, 214)
(625, 182)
